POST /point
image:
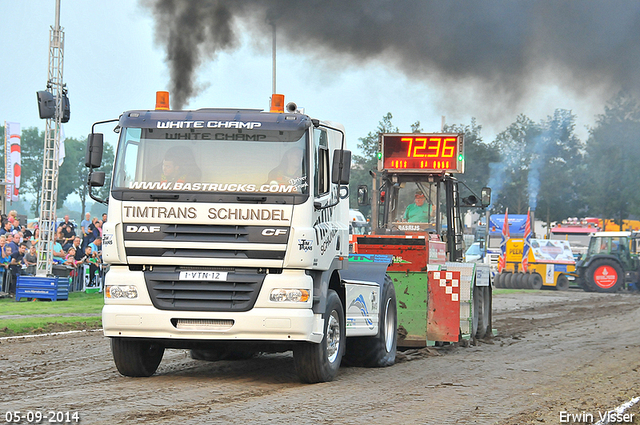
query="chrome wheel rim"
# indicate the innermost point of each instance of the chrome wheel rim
(333, 337)
(389, 327)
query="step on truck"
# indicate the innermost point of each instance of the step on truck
(228, 236)
(416, 208)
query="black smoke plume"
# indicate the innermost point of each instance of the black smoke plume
(502, 49)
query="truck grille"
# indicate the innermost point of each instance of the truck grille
(238, 293)
(175, 241)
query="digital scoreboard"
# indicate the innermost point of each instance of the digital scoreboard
(413, 152)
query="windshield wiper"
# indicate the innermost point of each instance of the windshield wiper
(164, 196)
(259, 199)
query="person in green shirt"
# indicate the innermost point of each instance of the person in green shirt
(419, 211)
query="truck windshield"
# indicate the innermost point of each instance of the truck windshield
(195, 160)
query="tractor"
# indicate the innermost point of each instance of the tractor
(611, 262)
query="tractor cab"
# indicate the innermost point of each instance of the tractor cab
(622, 246)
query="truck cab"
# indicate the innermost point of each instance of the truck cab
(228, 234)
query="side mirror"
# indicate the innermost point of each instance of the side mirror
(341, 170)
(93, 156)
(363, 195)
(485, 194)
(96, 179)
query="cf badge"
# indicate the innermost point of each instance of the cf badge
(274, 232)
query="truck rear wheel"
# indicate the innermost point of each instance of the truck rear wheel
(320, 362)
(497, 281)
(136, 358)
(517, 281)
(562, 283)
(506, 280)
(535, 281)
(481, 310)
(379, 350)
(604, 275)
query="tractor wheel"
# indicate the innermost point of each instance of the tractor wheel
(605, 275)
(535, 281)
(582, 283)
(562, 284)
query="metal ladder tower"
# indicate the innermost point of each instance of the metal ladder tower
(50, 164)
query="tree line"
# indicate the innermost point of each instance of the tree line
(543, 165)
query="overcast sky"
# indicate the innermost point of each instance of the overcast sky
(112, 63)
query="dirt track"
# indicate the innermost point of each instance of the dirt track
(555, 352)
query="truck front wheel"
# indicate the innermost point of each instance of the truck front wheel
(136, 358)
(535, 281)
(320, 362)
(379, 350)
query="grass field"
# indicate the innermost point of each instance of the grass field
(80, 311)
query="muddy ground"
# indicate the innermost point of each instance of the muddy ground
(554, 352)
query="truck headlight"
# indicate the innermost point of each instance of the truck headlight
(289, 295)
(120, 291)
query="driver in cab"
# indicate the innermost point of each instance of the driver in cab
(419, 211)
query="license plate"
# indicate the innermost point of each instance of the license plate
(203, 275)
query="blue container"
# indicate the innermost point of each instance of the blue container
(54, 288)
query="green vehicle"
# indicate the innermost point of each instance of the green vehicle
(611, 262)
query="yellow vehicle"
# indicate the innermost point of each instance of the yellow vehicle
(549, 262)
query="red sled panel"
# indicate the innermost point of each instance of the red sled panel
(443, 317)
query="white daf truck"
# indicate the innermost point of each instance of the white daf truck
(228, 235)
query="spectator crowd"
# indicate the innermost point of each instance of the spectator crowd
(74, 247)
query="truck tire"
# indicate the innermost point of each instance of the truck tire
(484, 320)
(506, 279)
(604, 275)
(136, 358)
(379, 350)
(481, 311)
(562, 283)
(320, 362)
(517, 281)
(535, 281)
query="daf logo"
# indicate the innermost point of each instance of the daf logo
(274, 232)
(142, 229)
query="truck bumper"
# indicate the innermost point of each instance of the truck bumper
(266, 324)
(268, 321)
